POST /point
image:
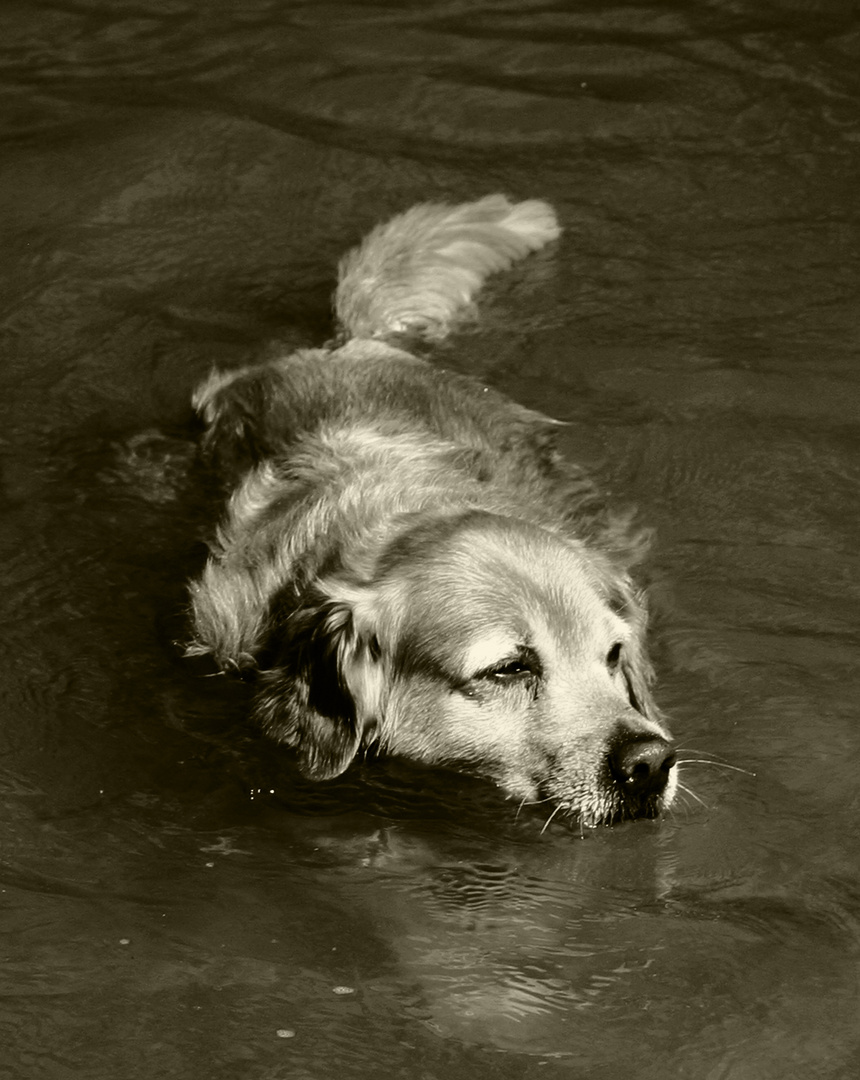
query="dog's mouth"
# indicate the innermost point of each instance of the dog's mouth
(608, 809)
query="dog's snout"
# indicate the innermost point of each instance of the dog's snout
(641, 763)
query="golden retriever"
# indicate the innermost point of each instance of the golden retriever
(407, 563)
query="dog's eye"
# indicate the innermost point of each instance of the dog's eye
(512, 670)
(613, 657)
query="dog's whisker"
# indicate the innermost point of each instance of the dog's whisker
(526, 801)
(709, 754)
(695, 750)
(703, 754)
(549, 819)
(678, 804)
(692, 794)
(716, 764)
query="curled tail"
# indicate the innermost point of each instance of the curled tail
(417, 273)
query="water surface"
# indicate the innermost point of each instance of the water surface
(178, 179)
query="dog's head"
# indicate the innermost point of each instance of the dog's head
(484, 644)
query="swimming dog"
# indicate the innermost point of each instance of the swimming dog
(407, 563)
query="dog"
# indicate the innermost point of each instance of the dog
(407, 563)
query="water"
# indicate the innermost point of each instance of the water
(178, 180)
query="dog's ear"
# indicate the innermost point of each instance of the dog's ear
(636, 667)
(322, 691)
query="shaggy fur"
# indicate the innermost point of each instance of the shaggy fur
(407, 563)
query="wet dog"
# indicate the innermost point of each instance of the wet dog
(408, 564)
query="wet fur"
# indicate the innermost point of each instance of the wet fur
(407, 563)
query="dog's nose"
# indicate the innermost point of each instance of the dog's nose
(641, 763)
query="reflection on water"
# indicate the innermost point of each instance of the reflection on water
(178, 180)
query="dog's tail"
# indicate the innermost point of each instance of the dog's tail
(417, 273)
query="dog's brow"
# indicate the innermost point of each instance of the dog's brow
(489, 650)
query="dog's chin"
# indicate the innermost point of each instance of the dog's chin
(577, 799)
(555, 805)
(588, 798)
(599, 809)
(614, 807)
